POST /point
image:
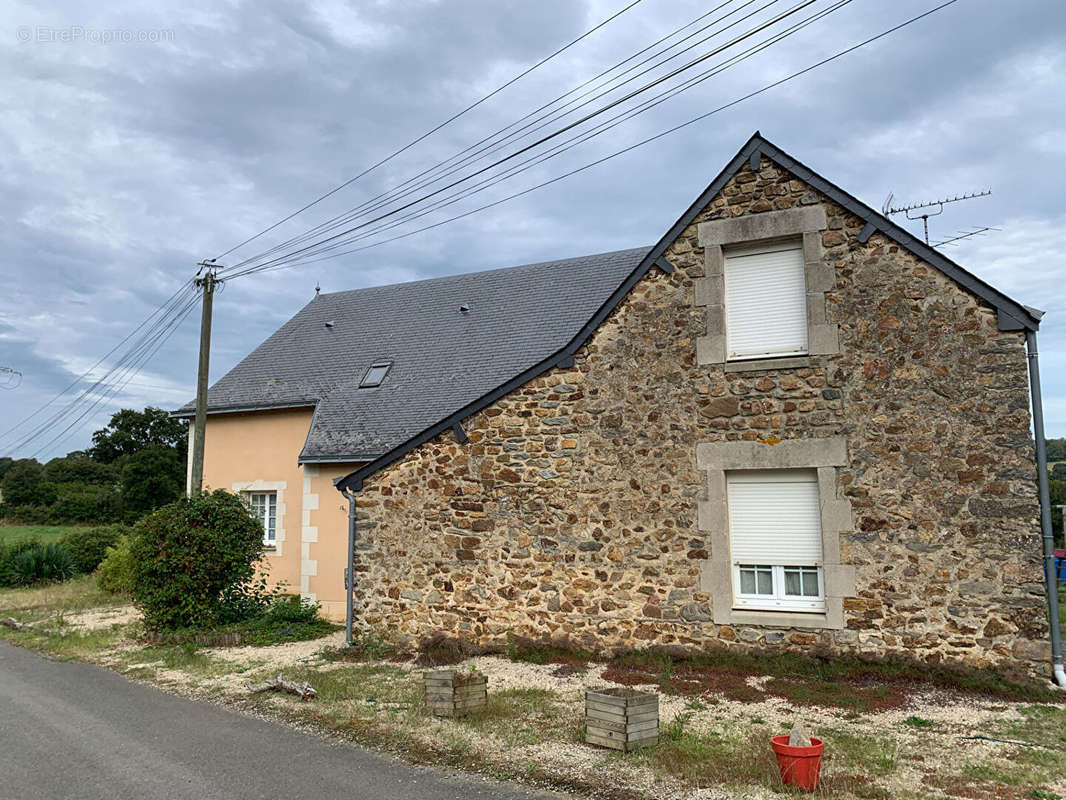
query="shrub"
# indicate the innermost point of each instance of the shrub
(115, 573)
(194, 562)
(292, 609)
(8, 552)
(88, 546)
(41, 563)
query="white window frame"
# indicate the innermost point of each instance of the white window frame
(270, 503)
(779, 598)
(753, 249)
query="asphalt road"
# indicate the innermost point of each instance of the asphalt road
(71, 730)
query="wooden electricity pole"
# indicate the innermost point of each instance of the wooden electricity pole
(207, 283)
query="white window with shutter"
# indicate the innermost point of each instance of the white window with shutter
(775, 539)
(765, 301)
(265, 507)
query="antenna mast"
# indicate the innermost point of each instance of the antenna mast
(888, 210)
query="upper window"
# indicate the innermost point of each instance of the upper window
(775, 538)
(765, 301)
(265, 507)
(375, 375)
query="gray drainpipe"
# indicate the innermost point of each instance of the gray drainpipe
(1050, 576)
(349, 573)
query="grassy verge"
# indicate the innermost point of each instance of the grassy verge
(36, 602)
(717, 714)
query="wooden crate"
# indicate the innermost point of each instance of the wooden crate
(623, 719)
(452, 694)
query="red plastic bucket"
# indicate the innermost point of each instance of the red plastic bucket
(799, 765)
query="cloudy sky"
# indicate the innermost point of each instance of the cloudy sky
(138, 139)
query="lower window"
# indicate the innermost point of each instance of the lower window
(265, 507)
(767, 586)
(775, 538)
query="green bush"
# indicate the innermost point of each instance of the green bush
(88, 546)
(292, 609)
(8, 552)
(41, 563)
(115, 573)
(194, 562)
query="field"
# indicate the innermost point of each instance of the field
(44, 533)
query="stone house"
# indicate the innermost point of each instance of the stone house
(789, 424)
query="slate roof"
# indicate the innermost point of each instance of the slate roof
(523, 321)
(442, 359)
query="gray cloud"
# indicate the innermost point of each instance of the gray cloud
(126, 163)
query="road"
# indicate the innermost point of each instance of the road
(70, 730)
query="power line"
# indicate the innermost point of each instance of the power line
(148, 321)
(148, 351)
(641, 143)
(163, 321)
(570, 126)
(348, 215)
(430, 132)
(574, 141)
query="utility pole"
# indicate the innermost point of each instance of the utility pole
(207, 283)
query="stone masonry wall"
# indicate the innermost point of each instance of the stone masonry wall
(572, 511)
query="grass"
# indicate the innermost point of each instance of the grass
(187, 659)
(44, 533)
(918, 722)
(521, 717)
(260, 631)
(35, 602)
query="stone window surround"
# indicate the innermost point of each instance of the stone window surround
(807, 222)
(259, 485)
(716, 574)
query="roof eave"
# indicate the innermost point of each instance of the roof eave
(182, 413)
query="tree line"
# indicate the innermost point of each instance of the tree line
(135, 465)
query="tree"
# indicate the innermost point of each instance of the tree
(151, 478)
(1057, 490)
(1056, 449)
(130, 431)
(22, 484)
(80, 470)
(5, 464)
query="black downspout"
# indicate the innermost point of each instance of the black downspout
(1050, 573)
(349, 573)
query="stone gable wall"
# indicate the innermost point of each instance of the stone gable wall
(572, 511)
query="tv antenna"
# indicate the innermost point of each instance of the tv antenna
(10, 378)
(954, 240)
(888, 209)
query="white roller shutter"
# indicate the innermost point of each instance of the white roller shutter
(774, 517)
(765, 301)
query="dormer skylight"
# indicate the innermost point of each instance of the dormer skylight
(375, 375)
